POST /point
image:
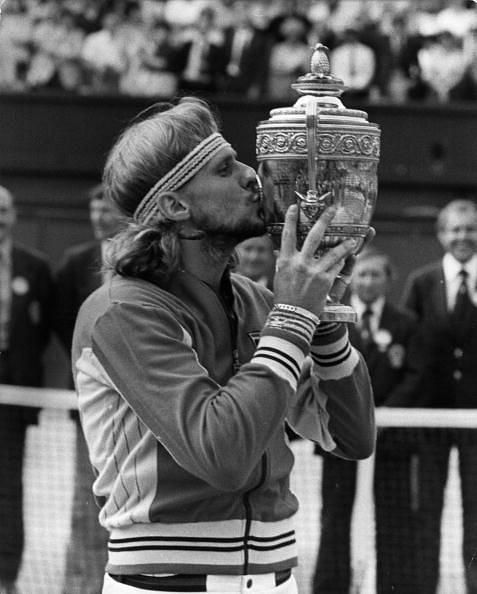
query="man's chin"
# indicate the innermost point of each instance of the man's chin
(237, 234)
(463, 255)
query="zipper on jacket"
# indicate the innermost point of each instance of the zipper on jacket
(226, 298)
(248, 510)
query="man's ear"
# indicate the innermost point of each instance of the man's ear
(172, 207)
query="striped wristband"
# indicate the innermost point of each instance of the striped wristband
(295, 320)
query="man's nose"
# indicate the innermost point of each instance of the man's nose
(249, 177)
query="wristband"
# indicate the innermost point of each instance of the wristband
(296, 321)
(300, 311)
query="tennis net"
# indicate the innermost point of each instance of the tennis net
(48, 490)
(306, 483)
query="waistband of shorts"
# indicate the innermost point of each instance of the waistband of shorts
(202, 582)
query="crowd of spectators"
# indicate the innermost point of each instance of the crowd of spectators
(384, 50)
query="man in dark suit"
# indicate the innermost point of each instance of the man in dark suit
(247, 50)
(444, 297)
(26, 291)
(78, 275)
(202, 55)
(388, 338)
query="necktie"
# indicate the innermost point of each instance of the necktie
(366, 334)
(463, 303)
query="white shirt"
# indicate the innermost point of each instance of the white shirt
(452, 267)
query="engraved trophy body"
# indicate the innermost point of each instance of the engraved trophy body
(317, 153)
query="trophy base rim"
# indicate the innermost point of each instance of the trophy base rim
(338, 313)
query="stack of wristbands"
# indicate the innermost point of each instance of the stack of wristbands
(298, 321)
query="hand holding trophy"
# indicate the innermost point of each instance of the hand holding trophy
(318, 154)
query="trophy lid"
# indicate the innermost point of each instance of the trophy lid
(318, 108)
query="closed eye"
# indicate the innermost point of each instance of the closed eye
(226, 167)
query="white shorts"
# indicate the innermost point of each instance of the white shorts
(220, 584)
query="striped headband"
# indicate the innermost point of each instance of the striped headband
(179, 175)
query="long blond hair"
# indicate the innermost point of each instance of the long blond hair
(145, 152)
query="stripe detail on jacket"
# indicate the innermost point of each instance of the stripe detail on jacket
(281, 356)
(203, 547)
(333, 355)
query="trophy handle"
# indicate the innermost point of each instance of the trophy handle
(312, 205)
(311, 125)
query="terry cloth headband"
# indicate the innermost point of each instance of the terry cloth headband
(180, 174)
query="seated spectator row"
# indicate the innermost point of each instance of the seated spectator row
(383, 50)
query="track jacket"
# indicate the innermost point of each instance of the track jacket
(184, 418)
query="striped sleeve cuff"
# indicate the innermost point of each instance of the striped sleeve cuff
(280, 355)
(332, 353)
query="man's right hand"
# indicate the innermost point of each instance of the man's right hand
(301, 279)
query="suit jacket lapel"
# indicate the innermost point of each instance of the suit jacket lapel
(18, 271)
(439, 294)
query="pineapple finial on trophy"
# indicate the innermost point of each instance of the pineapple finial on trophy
(319, 81)
(320, 60)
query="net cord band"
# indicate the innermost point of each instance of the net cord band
(459, 418)
(180, 174)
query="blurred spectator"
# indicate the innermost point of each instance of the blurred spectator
(225, 12)
(184, 14)
(320, 31)
(15, 36)
(203, 55)
(443, 295)
(289, 57)
(104, 55)
(344, 14)
(42, 68)
(441, 65)
(280, 10)
(57, 46)
(8, 64)
(394, 29)
(374, 37)
(88, 13)
(246, 49)
(457, 17)
(405, 44)
(153, 71)
(259, 14)
(78, 275)
(79, 272)
(26, 300)
(154, 9)
(132, 29)
(256, 260)
(355, 63)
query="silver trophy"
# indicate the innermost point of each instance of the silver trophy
(317, 153)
